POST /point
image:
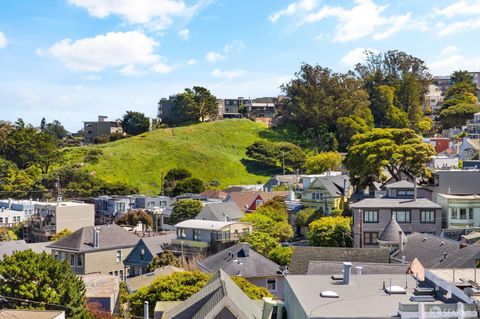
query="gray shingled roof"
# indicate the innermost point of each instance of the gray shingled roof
(111, 237)
(333, 183)
(220, 289)
(390, 234)
(336, 268)
(395, 203)
(9, 247)
(302, 256)
(252, 263)
(400, 184)
(155, 243)
(219, 211)
(137, 282)
(430, 249)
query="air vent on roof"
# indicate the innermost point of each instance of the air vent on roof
(397, 290)
(419, 291)
(328, 294)
(415, 298)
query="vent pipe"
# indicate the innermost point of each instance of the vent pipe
(347, 268)
(463, 241)
(400, 240)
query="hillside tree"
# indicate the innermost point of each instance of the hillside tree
(135, 123)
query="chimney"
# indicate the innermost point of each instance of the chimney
(414, 189)
(96, 237)
(347, 268)
(400, 240)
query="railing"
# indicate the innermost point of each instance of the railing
(190, 243)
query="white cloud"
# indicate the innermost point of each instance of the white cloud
(228, 74)
(114, 49)
(3, 40)
(356, 56)
(91, 77)
(184, 34)
(154, 14)
(365, 18)
(191, 62)
(452, 60)
(213, 57)
(450, 50)
(234, 46)
(130, 70)
(461, 7)
(293, 8)
(162, 68)
(456, 27)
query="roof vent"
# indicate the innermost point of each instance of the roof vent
(395, 290)
(328, 294)
(415, 298)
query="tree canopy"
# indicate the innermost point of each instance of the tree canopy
(40, 278)
(135, 123)
(330, 231)
(396, 150)
(194, 105)
(185, 209)
(132, 217)
(280, 154)
(322, 162)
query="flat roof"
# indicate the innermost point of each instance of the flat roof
(204, 224)
(363, 298)
(395, 203)
(466, 197)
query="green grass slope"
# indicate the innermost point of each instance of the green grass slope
(209, 151)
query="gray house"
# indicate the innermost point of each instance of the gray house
(151, 202)
(107, 207)
(227, 211)
(241, 260)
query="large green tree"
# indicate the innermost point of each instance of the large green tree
(135, 123)
(40, 278)
(322, 162)
(188, 185)
(318, 97)
(457, 115)
(280, 154)
(463, 76)
(395, 150)
(54, 129)
(185, 209)
(174, 176)
(330, 231)
(193, 105)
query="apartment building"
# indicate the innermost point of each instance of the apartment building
(165, 108)
(92, 130)
(15, 211)
(473, 127)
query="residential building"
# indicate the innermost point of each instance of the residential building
(213, 194)
(145, 280)
(289, 181)
(8, 248)
(100, 249)
(262, 110)
(440, 144)
(220, 298)
(433, 99)
(444, 162)
(232, 107)
(361, 268)
(165, 109)
(102, 291)
(471, 164)
(50, 218)
(241, 260)
(303, 256)
(346, 294)
(29, 314)
(195, 235)
(326, 193)
(437, 252)
(249, 201)
(226, 212)
(92, 130)
(460, 211)
(138, 260)
(151, 202)
(473, 127)
(442, 82)
(15, 211)
(469, 149)
(108, 208)
(455, 182)
(406, 189)
(372, 215)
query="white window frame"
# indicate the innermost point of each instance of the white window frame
(405, 212)
(267, 284)
(142, 253)
(429, 213)
(118, 256)
(370, 213)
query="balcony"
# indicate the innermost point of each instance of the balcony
(190, 243)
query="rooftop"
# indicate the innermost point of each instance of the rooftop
(29, 314)
(395, 203)
(400, 184)
(204, 224)
(9, 247)
(137, 282)
(155, 243)
(110, 237)
(220, 211)
(240, 259)
(391, 233)
(336, 268)
(97, 285)
(363, 298)
(460, 197)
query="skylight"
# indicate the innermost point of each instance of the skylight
(328, 294)
(395, 290)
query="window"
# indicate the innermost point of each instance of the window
(370, 238)
(272, 284)
(454, 212)
(79, 260)
(370, 216)
(181, 233)
(121, 207)
(62, 256)
(142, 254)
(196, 234)
(470, 213)
(404, 192)
(463, 213)
(258, 202)
(402, 216)
(118, 256)
(427, 216)
(55, 255)
(121, 274)
(72, 260)
(151, 204)
(1, 219)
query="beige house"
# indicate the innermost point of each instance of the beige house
(51, 218)
(96, 250)
(92, 130)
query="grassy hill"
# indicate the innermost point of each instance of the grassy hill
(209, 151)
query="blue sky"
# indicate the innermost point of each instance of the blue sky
(72, 60)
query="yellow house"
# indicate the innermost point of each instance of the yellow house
(326, 193)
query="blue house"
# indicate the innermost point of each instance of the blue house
(144, 252)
